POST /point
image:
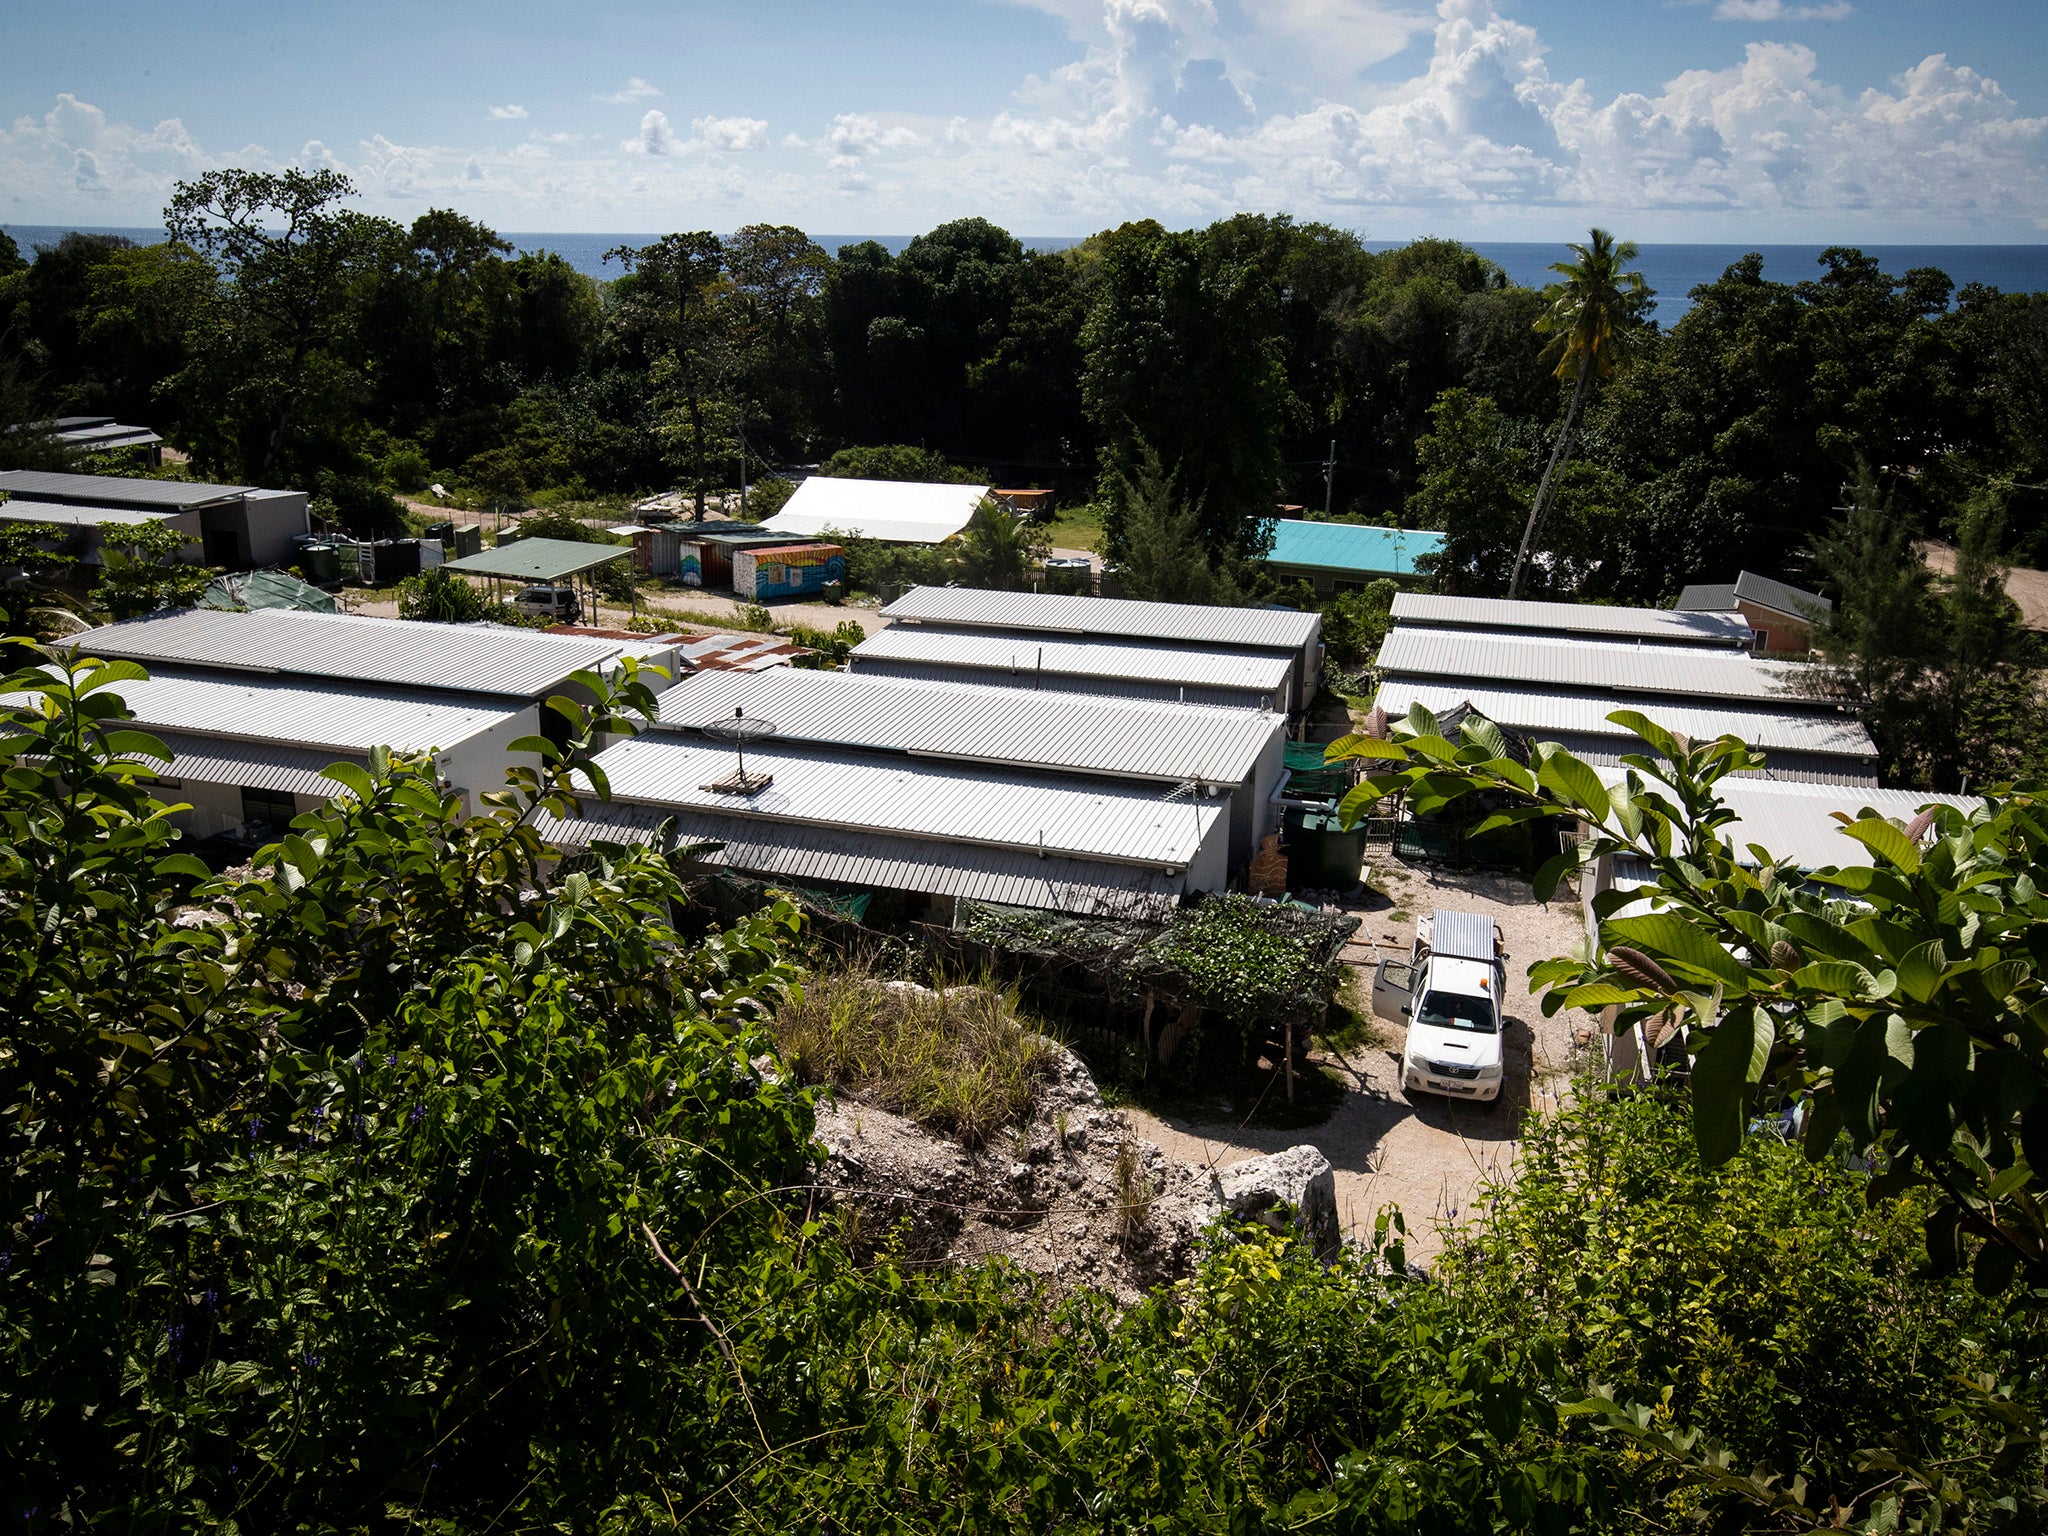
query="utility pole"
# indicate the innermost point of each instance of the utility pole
(1330, 478)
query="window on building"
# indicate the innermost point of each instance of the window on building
(268, 808)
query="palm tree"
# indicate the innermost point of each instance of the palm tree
(1591, 315)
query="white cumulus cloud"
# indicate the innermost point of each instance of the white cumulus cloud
(1187, 110)
(729, 133)
(510, 111)
(633, 90)
(655, 136)
(1778, 10)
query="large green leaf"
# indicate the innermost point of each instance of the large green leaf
(1731, 1062)
(1571, 779)
(1667, 935)
(1886, 841)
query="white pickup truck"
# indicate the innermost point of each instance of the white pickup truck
(1448, 990)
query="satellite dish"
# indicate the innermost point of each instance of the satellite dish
(740, 732)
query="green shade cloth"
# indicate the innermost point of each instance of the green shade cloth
(540, 559)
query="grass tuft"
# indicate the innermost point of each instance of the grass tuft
(957, 1059)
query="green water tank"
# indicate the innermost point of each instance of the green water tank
(1322, 856)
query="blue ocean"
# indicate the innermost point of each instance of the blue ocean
(1672, 270)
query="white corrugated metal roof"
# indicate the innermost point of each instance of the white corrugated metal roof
(19, 511)
(900, 512)
(114, 490)
(1797, 767)
(948, 802)
(248, 765)
(1796, 821)
(523, 663)
(1585, 665)
(1545, 715)
(325, 716)
(1186, 623)
(1023, 654)
(965, 722)
(1499, 613)
(889, 863)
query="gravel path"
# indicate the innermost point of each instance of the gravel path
(1429, 1156)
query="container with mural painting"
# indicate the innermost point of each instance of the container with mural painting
(790, 570)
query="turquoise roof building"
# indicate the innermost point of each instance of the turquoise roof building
(1337, 557)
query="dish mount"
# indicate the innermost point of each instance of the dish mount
(740, 733)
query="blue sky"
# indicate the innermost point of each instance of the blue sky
(1737, 120)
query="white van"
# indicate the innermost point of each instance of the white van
(1448, 991)
(558, 605)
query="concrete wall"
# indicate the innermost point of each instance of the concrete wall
(270, 521)
(480, 763)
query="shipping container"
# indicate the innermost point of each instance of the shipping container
(788, 570)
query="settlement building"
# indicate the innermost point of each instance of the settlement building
(254, 705)
(892, 511)
(1782, 616)
(1080, 664)
(1591, 621)
(504, 662)
(1562, 683)
(237, 526)
(933, 831)
(249, 752)
(1343, 557)
(1191, 627)
(1229, 756)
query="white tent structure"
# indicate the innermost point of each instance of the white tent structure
(894, 511)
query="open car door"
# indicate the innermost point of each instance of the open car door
(1393, 989)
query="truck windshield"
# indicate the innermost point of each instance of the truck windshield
(1457, 1010)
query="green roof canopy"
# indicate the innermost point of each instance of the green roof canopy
(540, 559)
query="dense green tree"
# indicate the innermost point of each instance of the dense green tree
(275, 358)
(1184, 361)
(672, 308)
(1164, 555)
(899, 461)
(1473, 484)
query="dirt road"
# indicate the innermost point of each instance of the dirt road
(1428, 1156)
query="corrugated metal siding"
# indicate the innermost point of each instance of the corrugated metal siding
(1498, 613)
(1796, 767)
(918, 799)
(1024, 655)
(1584, 665)
(19, 511)
(1461, 935)
(1069, 686)
(1260, 628)
(332, 717)
(250, 764)
(474, 659)
(1134, 739)
(888, 863)
(115, 490)
(1585, 714)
